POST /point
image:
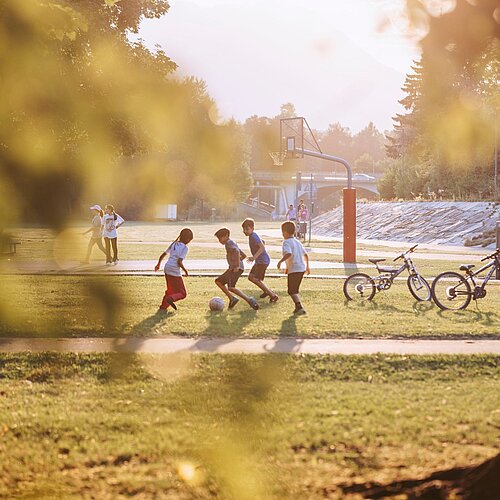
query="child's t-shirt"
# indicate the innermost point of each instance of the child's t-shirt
(254, 242)
(110, 225)
(233, 255)
(295, 263)
(177, 250)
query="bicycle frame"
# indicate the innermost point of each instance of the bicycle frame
(470, 276)
(408, 264)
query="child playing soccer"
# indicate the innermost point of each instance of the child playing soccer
(177, 253)
(297, 263)
(227, 281)
(260, 258)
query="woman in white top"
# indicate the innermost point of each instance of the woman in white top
(177, 252)
(111, 221)
(96, 228)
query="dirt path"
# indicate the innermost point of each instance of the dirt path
(252, 346)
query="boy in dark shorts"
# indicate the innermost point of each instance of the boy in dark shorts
(297, 263)
(260, 259)
(227, 281)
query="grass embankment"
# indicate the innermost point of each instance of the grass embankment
(127, 305)
(100, 426)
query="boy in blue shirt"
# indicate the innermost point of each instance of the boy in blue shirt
(260, 258)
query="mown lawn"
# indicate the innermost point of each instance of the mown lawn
(246, 427)
(128, 305)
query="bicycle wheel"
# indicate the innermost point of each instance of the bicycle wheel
(359, 287)
(419, 287)
(451, 291)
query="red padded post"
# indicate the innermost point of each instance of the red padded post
(349, 196)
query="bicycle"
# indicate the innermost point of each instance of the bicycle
(360, 286)
(452, 291)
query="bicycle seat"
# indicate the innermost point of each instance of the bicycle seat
(466, 267)
(374, 261)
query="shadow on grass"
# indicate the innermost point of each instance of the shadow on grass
(287, 343)
(476, 482)
(488, 318)
(422, 307)
(226, 331)
(148, 325)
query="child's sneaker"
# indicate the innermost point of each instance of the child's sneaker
(253, 304)
(299, 311)
(233, 302)
(274, 299)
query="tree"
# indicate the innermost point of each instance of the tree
(98, 108)
(369, 141)
(403, 139)
(447, 135)
(287, 110)
(365, 163)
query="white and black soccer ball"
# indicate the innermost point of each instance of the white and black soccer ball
(216, 304)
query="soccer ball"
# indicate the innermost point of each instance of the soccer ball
(216, 304)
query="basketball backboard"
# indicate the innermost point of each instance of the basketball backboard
(296, 135)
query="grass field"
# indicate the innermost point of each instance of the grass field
(231, 426)
(246, 427)
(127, 305)
(116, 305)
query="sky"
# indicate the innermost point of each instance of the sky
(336, 60)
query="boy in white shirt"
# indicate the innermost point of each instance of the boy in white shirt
(297, 263)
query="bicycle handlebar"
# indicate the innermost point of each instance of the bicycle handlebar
(492, 256)
(412, 249)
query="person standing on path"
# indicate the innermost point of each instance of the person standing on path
(112, 221)
(303, 217)
(96, 237)
(177, 252)
(291, 213)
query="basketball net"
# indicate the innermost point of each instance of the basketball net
(278, 157)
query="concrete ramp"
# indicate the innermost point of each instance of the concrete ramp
(439, 222)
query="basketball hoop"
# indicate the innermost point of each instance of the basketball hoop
(278, 157)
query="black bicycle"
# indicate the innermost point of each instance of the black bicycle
(454, 291)
(360, 286)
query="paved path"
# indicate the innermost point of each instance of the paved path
(465, 254)
(252, 346)
(147, 267)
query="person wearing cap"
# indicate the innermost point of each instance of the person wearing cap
(96, 228)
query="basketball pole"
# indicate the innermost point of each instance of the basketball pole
(349, 205)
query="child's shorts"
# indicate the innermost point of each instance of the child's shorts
(294, 281)
(229, 278)
(259, 271)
